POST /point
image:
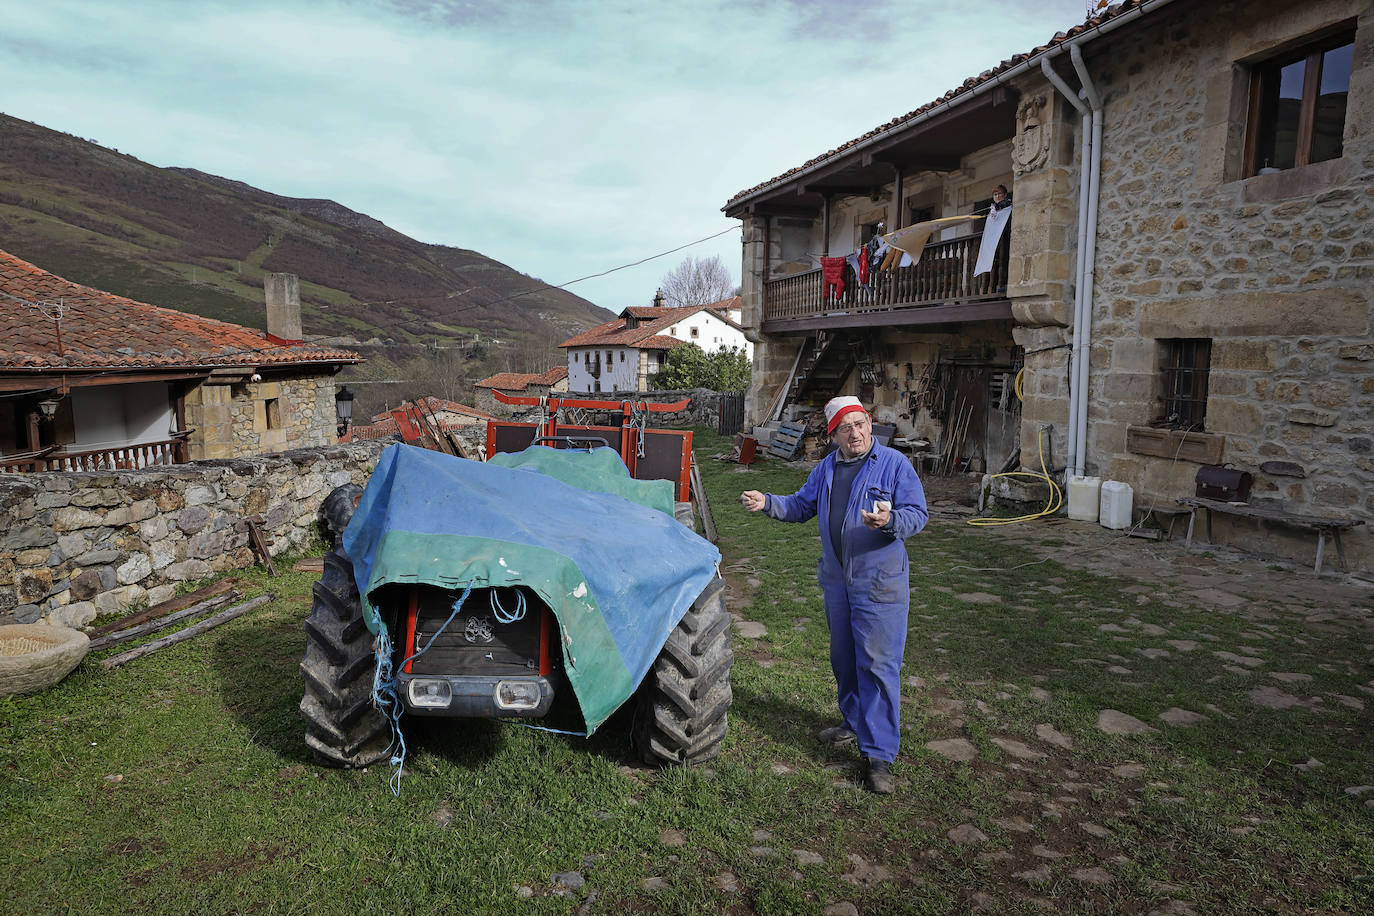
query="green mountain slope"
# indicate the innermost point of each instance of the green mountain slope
(197, 242)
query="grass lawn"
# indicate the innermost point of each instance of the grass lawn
(180, 783)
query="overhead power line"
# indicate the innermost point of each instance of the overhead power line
(543, 285)
(44, 307)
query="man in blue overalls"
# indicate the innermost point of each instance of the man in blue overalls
(868, 500)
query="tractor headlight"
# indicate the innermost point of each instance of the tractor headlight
(430, 692)
(517, 694)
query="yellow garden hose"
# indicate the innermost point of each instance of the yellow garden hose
(1056, 499)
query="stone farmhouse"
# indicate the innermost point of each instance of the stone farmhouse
(621, 354)
(555, 381)
(1185, 278)
(94, 381)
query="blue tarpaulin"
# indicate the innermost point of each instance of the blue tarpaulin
(616, 570)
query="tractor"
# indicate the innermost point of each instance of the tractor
(552, 583)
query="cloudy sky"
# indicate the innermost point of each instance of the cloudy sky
(562, 138)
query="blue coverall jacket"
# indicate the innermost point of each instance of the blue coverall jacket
(865, 582)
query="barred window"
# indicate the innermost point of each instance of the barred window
(1184, 364)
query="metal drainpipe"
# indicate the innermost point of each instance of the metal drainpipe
(1081, 367)
(1085, 141)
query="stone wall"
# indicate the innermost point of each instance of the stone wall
(484, 400)
(1275, 270)
(77, 545)
(244, 417)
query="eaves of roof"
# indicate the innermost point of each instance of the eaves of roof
(971, 87)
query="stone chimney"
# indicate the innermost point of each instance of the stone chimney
(659, 300)
(283, 306)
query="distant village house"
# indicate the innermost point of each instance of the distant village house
(624, 353)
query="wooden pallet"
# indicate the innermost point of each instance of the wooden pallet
(787, 441)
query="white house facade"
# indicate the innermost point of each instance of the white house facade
(714, 327)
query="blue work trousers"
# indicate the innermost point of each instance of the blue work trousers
(867, 641)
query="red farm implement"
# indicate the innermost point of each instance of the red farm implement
(649, 454)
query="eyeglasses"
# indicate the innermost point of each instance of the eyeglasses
(845, 429)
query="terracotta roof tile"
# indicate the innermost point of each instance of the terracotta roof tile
(379, 430)
(436, 405)
(103, 331)
(661, 342)
(519, 381)
(652, 320)
(952, 95)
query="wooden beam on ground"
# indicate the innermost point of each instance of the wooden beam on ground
(260, 544)
(780, 399)
(698, 490)
(170, 606)
(119, 636)
(195, 629)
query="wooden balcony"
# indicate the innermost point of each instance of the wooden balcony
(938, 289)
(124, 458)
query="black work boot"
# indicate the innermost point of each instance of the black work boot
(878, 778)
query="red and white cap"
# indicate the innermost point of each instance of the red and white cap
(836, 408)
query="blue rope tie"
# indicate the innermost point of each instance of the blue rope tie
(384, 696)
(499, 611)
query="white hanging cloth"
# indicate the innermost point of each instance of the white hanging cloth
(992, 235)
(911, 240)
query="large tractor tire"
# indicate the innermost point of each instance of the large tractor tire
(680, 716)
(342, 726)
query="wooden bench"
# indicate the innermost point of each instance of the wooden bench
(1323, 526)
(1164, 518)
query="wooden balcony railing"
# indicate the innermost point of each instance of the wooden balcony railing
(123, 458)
(943, 276)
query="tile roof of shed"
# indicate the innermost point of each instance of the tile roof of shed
(436, 405)
(102, 331)
(952, 95)
(519, 381)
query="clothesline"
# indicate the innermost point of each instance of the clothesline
(904, 247)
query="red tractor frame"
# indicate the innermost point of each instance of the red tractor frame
(649, 454)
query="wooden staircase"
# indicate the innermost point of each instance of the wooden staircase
(827, 358)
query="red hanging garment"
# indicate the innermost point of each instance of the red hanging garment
(832, 270)
(863, 266)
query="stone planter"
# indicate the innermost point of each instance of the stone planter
(34, 657)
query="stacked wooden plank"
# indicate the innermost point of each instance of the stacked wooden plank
(787, 441)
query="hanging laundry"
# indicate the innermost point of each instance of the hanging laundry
(912, 239)
(832, 270)
(858, 262)
(998, 218)
(871, 246)
(877, 251)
